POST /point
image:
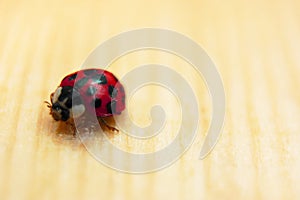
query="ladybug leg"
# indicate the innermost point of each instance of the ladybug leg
(108, 126)
(71, 125)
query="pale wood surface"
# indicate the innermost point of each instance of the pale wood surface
(256, 46)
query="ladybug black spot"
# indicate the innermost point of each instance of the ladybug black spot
(123, 99)
(69, 103)
(72, 77)
(66, 92)
(89, 72)
(112, 91)
(91, 91)
(81, 82)
(100, 79)
(111, 107)
(97, 103)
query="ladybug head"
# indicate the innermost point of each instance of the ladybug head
(65, 104)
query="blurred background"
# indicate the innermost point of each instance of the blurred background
(255, 46)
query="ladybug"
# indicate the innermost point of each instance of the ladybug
(87, 91)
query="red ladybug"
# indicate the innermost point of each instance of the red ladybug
(87, 90)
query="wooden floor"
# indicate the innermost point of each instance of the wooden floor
(254, 44)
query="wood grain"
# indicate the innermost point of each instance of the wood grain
(255, 45)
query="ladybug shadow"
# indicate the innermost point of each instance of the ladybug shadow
(66, 133)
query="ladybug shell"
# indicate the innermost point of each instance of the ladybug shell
(99, 89)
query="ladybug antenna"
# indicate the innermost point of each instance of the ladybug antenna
(48, 104)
